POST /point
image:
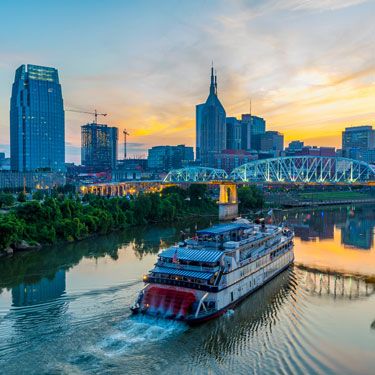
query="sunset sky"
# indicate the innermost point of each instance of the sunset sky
(309, 66)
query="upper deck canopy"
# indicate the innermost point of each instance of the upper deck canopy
(222, 228)
(194, 255)
(183, 273)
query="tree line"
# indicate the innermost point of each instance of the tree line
(60, 216)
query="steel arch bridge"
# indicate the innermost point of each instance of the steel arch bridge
(305, 169)
(196, 174)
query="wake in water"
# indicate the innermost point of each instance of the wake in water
(139, 331)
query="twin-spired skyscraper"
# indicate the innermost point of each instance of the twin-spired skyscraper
(210, 127)
(37, 121)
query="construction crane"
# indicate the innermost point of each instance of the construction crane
(95, 113)
(125, 133)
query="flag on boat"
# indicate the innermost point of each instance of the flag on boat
(175, 259)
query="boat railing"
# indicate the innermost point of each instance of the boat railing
(186, 284)
(188, 266)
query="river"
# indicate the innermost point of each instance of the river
(65, 310)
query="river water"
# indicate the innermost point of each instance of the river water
(65, 310)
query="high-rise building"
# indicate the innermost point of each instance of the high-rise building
(360, 137)
(246, 121)
(234, 134)
(99, 146)
(210, 127)
(165, 158)
(251, 127)
(37, 122)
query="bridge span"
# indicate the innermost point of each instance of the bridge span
(311, 170)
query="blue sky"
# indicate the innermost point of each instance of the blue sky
(307, 65)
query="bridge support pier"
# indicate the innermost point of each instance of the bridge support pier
(228, 201)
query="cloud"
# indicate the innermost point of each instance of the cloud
(317, 5)
(309, 70)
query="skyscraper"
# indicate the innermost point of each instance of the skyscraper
(210, 126)
(99, 146)
(37, 122)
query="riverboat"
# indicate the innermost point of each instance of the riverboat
(203, 277)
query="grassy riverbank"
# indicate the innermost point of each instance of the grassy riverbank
(68, 218)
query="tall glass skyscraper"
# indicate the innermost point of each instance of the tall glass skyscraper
(37, 121)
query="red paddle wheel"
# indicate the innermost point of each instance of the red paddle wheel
(167, 302)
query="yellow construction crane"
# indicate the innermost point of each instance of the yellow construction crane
(95, 113)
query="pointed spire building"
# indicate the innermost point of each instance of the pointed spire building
(210, 126)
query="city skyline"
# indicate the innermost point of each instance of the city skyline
(307, 73)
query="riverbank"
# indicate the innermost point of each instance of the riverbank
(68, 218)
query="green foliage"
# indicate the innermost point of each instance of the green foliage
(6, 200)
(250, 197)
(197, 192)
(21, 197)
(38, 195)
(11, 230)
(65, 217)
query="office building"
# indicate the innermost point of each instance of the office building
(271, 142)
(14, 180)
(37, 123)
(251, 126)
(234, 134)
(99, 146)
(210, 127)
(165, 158)
(360, 137)
(294, 147)
(230, 159)
(368, 156)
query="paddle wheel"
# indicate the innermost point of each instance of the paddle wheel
(168, 302)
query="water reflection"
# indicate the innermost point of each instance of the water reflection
(72, 303)
(335, 238)
(355, 223)
(31, 274)
(42, 291)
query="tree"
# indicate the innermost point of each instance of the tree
(21, 197)
(11, 230)
(38, 195)
(250, 197)
(197, 192)
(6, 200)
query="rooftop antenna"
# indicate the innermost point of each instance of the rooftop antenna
(250, 106)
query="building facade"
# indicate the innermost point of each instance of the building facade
(360, 137)
(358, 142)
(271, 142)
(99, 144)
(165, 158)
(37, 121)
(234, 134)
(210, 127)
(230, 159)
(31, 180)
